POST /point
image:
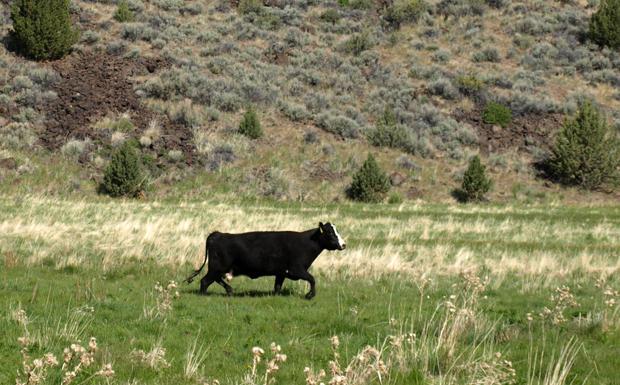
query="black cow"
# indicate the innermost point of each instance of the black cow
(285, 254)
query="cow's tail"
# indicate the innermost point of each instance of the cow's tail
(196, 272)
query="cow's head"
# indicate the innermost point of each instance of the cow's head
(330, 238)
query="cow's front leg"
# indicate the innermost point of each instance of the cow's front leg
(229, 291)
(278, 286)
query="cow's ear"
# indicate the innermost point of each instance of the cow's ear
(321, 227)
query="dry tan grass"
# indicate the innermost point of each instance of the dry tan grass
(417, 244)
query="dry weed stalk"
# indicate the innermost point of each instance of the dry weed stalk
(35, 372)
(155, 359)
(164, 301)
(359, 371)
(608, 299)
(495, 372)
(563, 300)
(425, 283)
(271, 367)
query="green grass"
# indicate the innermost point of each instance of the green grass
(63, 257)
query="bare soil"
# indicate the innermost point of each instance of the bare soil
(94, 85)
(521, 133)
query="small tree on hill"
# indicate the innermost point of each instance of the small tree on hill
(123, 175)
(586, 150)
(42, 29)
(604, 26)
(475, 183)
(122, 13)
(250, 124)
(370, 183)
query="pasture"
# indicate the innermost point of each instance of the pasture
(423, 294)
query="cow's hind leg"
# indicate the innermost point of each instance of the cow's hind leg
(303, 274)
(229, 291)
(278, 286)
(206, 281)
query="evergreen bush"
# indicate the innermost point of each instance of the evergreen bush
(250, 124)
(586, 150)
(475, 183)
(370, 183)
(388, 132)
(122, 13)
(358, 43)
(247, 6)
(331, 16)
(604, 26)
(361, 5)
(404, 12)
(495, 113)
(42, 29)
(123, 175)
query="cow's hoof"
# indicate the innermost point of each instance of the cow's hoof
(310, 295)
(229, 294)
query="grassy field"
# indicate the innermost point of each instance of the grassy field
(423, 294)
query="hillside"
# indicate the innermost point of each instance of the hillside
(178, 78)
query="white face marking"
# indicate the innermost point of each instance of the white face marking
(340, 241)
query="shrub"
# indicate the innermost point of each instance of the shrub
(404, 12)
(135, 5)
(444, 88)
(134, 52)
(370, 183)
(361, 5)
(495, 113)
(393, 136)
(358, 43)
(247, 6)
(192, 9)
(250, 124)
(123, 125)
(475, 183)
(45, 77)
(175, 155)
(441, 57)
(339, 125)
(117, 48)
(388, 133)
(122, 13)
(42, 29)
(586, 150)
(331, 16)
(469, 83)
(122, 175)
(490, 54)
(604, 26)
(90, 37)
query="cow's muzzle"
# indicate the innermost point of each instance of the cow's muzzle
(342, 247)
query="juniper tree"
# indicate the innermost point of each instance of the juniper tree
(604, 25)
(586, 150)
(370, 183)
(475, 183)
(122, 13)
(250, 124)
(42, 29)
(123, 174)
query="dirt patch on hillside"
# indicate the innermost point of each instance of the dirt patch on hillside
(94, 85)
(521, 133)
